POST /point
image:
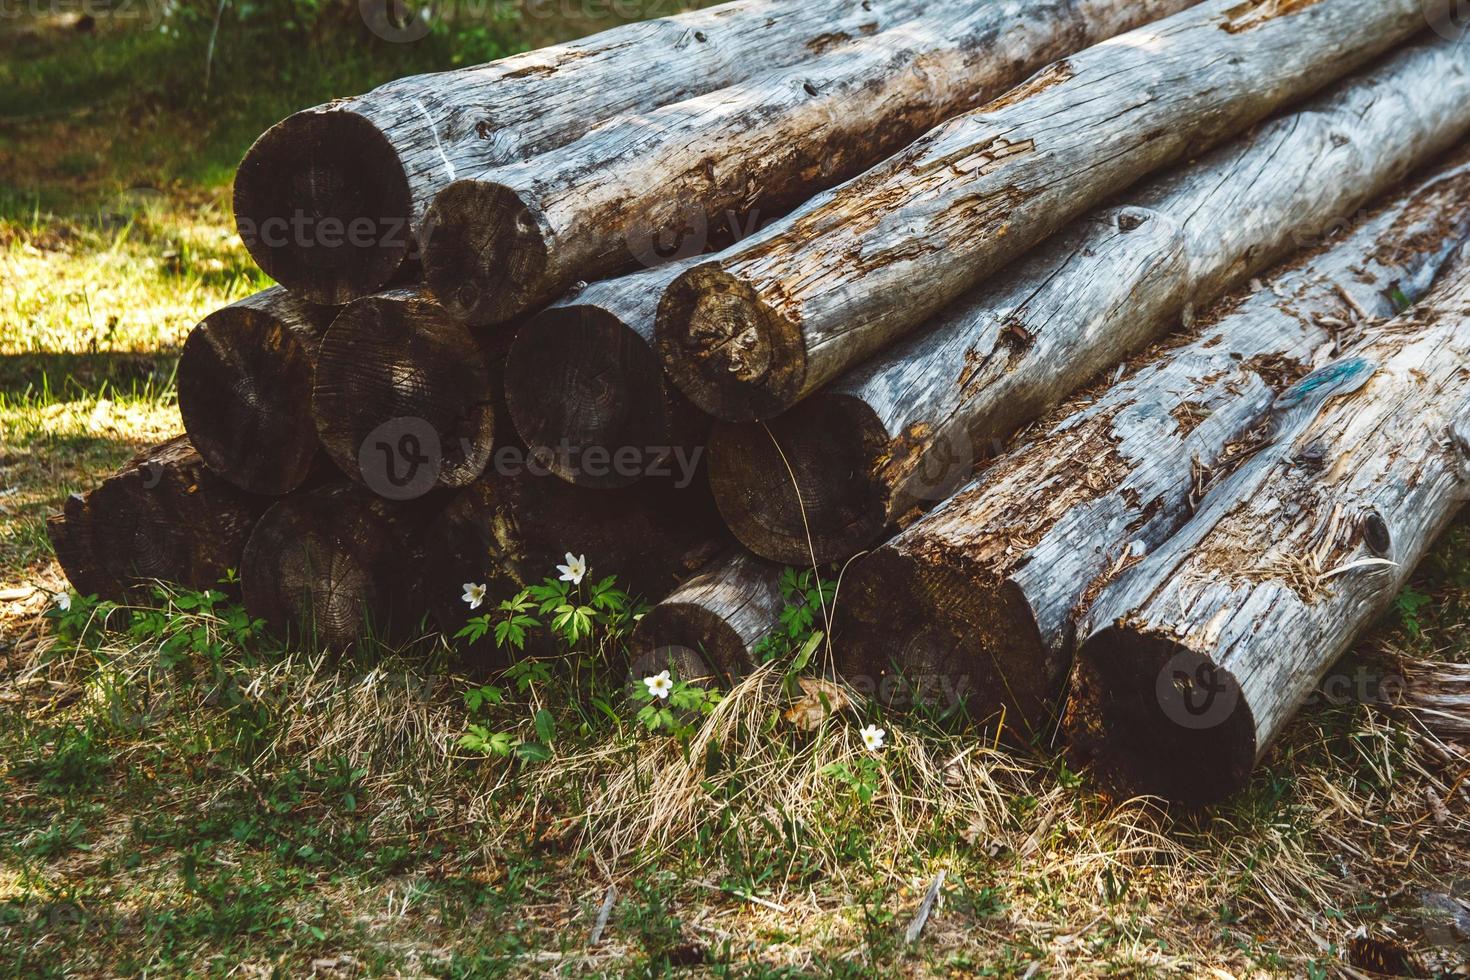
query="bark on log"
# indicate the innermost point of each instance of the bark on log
(164, 516)
(514, 238)
(717, 617)
(902, 431)
(513, 526)
(978, 601)
(1214, 641)
(585, 389)
(330, 200)
(245, 377)
(406, 397)
(335, 565)
(750, 335)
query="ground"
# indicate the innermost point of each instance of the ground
(183, 796)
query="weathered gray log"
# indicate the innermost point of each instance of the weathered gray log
(245, 377)
(335, 565)
(406, 396)
(514, 238)
(515, 524)
(1208, 647)
(979, 599)
(165, 516)
(750, 335)
(330, 200)
(903, 430)
(719, 616)
(585, 389)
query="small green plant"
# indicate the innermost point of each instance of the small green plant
(860, 776)
(806, 596)
(1407, 605)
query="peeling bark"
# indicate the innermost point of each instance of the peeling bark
(164, 516)
(582, 376)
(748, 336)
(330, 200)
(406, 396)
(1208, 647)
(717, 618)
(983, 594)
(244, 379)
(512, 239)
(903, 430)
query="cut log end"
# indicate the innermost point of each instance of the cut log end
(404, 399)
(485, 253)
(244, 383)
(579, 379)
(1149, 717)
(323, 206)
(690, 634)
(732, 354)
(319, 565)
(813, 498)
(920, 634)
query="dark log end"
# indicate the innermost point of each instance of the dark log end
(70, 532)
(693, 637)
(323, 205)
(1149, 717)
(322, 565)
(244, 382)
(919, 633)
(166, 516)
(579, 379)
(727, 350)
(815, 495)
(404, 400)
(485, 253)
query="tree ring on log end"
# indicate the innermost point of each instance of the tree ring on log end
(691, 636)
(1151, 717)
(318, 565)
(244, 386)
(726, 349)
(829, 448)
(323, 206)
(916, 632)
(390, 362)
(578, 378)
(486, 252)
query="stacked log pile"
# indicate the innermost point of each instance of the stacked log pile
(850, 248)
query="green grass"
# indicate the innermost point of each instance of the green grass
(182, 796)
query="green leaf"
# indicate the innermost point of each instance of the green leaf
(804, 655)
(545, 726)
(532, 752)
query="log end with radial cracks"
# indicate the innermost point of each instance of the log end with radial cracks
(801, 487)
(405, 399)
(1147, 716)
(923, 634)
(726, 349)
(319, 566)
(578, 379)
(486, 253)
(695, 639)
(323, 206)
(245, 381)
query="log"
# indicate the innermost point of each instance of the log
(749, 335)
(514, 238)
(406, 396)
(244, 381)
(901, 432)
(331, 566)
(717, 618)
(1206, 649)
(330, 201)
(513, 526)
(978, 600)
(163, 517)
(585, 389)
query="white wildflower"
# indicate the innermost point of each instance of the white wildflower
(659, 685)
(873, 737)
(574, 569)
(474, 594)
(63, 601)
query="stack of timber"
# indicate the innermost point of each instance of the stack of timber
(983, 595)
